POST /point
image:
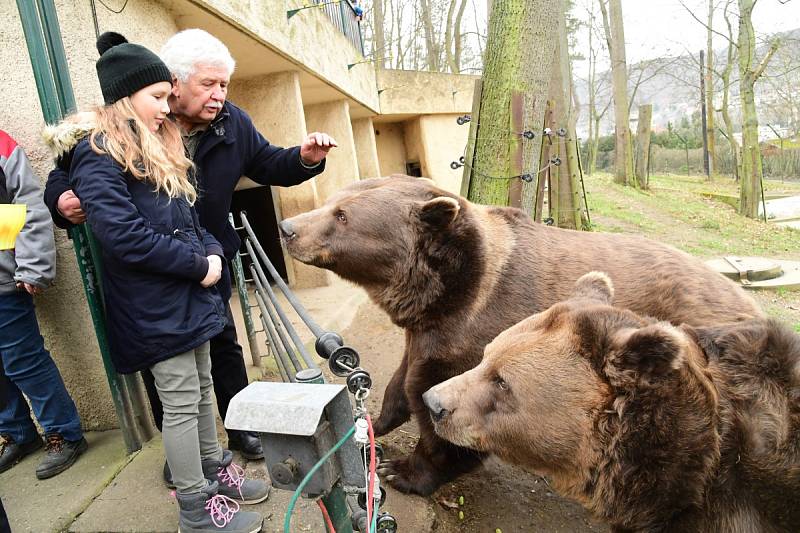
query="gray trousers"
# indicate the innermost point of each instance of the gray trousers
(189, 430)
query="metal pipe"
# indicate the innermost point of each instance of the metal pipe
(284, 319)
(298, 307)
(281, 359)
(284, 343)
(241, 287)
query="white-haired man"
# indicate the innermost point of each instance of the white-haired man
(224, 145)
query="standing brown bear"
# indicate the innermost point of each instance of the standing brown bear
(649, 426)
(455, 274)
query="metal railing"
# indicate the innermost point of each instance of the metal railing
(296, 365)
(344, 17)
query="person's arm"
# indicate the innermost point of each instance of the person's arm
(57, 191)
(115, 221)
(212, 245)
(35, 249)
(273, 165)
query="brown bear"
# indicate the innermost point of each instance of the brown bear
(455, 274)
(651, 427)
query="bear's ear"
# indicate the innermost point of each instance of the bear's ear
(439, 212)
(594, 286)
(650, 352)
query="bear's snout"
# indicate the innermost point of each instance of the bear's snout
(434, 405)
(287, 230)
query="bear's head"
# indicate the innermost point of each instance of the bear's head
(402, 238)
(601, 399)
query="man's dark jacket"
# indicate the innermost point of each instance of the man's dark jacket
(230, 148)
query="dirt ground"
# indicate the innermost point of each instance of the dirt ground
(495, 497)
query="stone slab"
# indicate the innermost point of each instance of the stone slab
(51, 505)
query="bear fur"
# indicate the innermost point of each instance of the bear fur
(651, 427)
(455, 274)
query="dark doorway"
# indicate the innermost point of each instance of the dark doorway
(413, 168)
(257, 203)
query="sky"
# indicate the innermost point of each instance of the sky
(659, 28)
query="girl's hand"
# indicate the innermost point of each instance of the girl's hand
(214, 271)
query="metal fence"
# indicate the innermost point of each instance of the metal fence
(344, 17)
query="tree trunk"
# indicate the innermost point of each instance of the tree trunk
(448, 37)
(615, 36)
(751, 171)
(564, 182)
(380, 35)
(431, 43)
(643, 145)
(710, 128)
(725, 109)
(592, 95)
(518, 58)
(458, 43)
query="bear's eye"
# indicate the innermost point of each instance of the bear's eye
(341, 217)
(501, 383)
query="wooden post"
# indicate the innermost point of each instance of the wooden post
(542, 176)
(515, 187)
(469, 156)
(706, 165)
(643, 145)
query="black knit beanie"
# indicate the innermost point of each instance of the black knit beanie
(124, 68)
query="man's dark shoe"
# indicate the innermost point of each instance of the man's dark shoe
(249, 444)
(61, 454)
(12, 452)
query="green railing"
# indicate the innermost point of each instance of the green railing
(43, 37)
(344, 17)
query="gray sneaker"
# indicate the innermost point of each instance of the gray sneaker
(232, 482)
(209, 512)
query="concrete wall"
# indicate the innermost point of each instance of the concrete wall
(415, 147)
(62, 311)
(341, 167)
(444, 142)
(307, 39)
(275, 105)
(391, 147)
(366, 149)
(415, 93)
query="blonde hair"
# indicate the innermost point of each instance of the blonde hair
(158, 158)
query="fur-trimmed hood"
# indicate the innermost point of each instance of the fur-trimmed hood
(62, 137)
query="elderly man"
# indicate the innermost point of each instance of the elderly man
(224, 145)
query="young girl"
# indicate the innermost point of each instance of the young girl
(160, 269)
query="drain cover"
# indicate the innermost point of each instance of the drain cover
(758, 272)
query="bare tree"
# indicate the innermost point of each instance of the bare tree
(431, 43)
(709, 84)
(596, 86)
(615, 39)
(725, 78)
(749, 72)
(379, 31)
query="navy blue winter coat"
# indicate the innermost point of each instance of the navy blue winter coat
(154, 257)
(231, 147)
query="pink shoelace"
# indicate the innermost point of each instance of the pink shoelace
(233, 476)
(221, 508)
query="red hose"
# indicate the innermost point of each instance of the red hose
(326, 516)
(372, 469)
